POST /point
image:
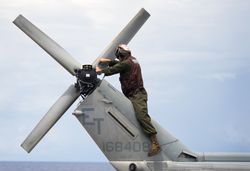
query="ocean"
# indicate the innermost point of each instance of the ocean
(54, 166)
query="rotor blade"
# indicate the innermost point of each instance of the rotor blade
(49, 45)
(51, 117)
(125, 35)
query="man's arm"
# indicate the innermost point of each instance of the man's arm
(115, 67)
(104, 62)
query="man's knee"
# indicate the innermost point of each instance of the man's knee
(143, 117)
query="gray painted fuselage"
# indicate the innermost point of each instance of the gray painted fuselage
(109, 118)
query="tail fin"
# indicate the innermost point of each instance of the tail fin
(109, 118)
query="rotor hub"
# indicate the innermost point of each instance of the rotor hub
(87, 80)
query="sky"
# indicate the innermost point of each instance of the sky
(194, 55)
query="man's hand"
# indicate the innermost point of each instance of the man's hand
(101, 60)
(98, 70)
(104, 60)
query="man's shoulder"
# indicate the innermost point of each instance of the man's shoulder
(125, 65)
(125, 62)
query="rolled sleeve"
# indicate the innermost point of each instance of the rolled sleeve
(117, 67)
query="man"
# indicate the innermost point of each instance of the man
(132, 87)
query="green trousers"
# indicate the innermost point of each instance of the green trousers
(139, 101)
